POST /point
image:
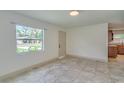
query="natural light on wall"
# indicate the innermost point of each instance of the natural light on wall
(29, 39)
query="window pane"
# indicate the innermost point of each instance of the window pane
(29, 39)
(121, 36)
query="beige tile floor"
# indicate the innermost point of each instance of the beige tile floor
(119, 58)
(74, 70)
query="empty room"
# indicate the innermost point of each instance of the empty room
(61, 46)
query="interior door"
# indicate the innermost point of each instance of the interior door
(62, 44)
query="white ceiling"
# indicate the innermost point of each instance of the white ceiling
(86, 17)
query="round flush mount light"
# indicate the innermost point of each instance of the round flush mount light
(74, 13)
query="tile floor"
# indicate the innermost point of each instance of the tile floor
(119, 58)
(73, 70)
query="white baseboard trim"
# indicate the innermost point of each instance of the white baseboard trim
(95, 59)
(18, 72)
(61, 57)
(21, 71)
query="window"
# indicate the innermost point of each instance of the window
(119, 36)
(29, 39)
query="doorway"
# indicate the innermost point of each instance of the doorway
(62, 44)
(116, 44)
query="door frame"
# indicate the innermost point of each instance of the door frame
(59, 45)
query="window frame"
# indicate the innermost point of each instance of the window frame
(42, 39)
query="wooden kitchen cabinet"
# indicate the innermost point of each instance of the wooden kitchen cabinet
(112, 51)
(121, 49)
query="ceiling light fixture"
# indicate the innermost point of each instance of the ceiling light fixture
(74, 13)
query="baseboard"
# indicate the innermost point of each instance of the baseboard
(61, 57)
(21, 71)
(95, 59)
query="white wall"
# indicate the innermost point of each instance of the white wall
(89, 41)
(11, 61)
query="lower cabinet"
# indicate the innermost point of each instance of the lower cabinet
(112, 51)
